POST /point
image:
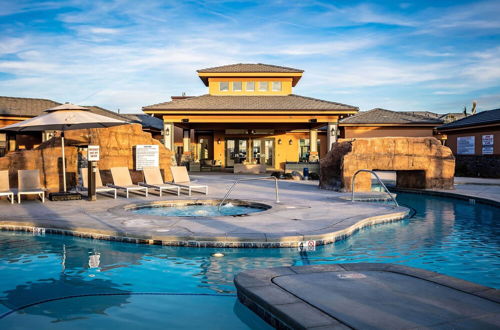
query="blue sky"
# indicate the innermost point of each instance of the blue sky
(400, 55)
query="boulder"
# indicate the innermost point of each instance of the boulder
(116, 149)
(419, 162)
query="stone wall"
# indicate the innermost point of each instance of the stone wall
(419, 163)
(116, 149)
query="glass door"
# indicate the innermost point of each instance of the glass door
(236, 151)
(263, 151)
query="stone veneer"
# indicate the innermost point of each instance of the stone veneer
(419, 163)
(116, 149)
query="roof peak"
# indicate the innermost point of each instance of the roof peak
(250, 67)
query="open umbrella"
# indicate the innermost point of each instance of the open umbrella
(64, 117)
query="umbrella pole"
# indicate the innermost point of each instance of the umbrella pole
(63, 162)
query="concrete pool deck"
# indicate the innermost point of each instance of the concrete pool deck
(366, 296)
(305, 213)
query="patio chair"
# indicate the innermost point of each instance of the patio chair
(99, 187)
(123, 181)
(152, 176)
(5, 186)
(28, 183)
(181, 178)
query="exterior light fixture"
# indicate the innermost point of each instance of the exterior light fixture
(167, 131)
(332, 132)
(290, 142)
(279, 141)
(218, 141)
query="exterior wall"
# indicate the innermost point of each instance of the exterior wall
(286, 86)
(351, 132)
(451, 141)
(477, 165)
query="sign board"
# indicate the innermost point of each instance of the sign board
(465, 145)
(487, 150)
(488, 140)
(146, 155)
(93, 153)
(307, 246)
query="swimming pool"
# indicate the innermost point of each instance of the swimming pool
(110, 284)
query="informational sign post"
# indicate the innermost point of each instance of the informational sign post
(465, 145)
(146, 155)
(93, 153)
(487, 144)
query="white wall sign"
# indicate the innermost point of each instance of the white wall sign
(488, 140)
(146, 155)
(487, 150)
(465, 145)
(93, 153)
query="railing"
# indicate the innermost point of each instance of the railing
(379, 181)
(249, 179)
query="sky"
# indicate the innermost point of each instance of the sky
(124, 54)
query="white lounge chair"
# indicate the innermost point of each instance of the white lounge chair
(123, 181)
(181, 178)
(152, 176)
(5, 186)
(99, 187)
(28, 183)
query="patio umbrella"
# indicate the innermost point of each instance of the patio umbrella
(64, 117)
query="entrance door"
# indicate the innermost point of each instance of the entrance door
(263, 151)
(236, 151)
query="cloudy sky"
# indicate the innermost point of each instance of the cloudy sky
(124, 54)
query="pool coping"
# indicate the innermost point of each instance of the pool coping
(283, 310)
(243, 240)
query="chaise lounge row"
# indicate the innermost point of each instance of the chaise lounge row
(153, 180)
(29, 183)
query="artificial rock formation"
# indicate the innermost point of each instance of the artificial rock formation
(419, 163)
(116, 149)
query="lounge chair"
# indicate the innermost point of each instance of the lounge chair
(152, 176)
(28, 183)
(5, 186)
(181, 178)
(123, 181)
(99, 187)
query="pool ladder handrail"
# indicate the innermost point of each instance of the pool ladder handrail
(250, 179)
(379, 181)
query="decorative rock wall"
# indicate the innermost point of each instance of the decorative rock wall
(419, 163)
(116, 149)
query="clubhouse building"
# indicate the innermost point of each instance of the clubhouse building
(250, 116)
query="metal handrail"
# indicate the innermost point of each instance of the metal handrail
(380, 181)
(249, 179)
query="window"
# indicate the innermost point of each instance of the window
(263, 86)
(237, 86)
(277, 86)
(224, 86)
(250, 86)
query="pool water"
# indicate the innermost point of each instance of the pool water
(196, 210)
(62, 282)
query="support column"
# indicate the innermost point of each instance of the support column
(313, 145)
(186, 141)
(331, 134)
(168, 136)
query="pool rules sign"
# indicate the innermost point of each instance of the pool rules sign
(146, 155)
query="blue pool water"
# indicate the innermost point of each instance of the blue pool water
(84, 284)
(197, 210)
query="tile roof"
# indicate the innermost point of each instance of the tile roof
(426, 114)
(24, 107)
(383, 116)
(246, 102)
(250, 67)
(481, 118)
(31, 107)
